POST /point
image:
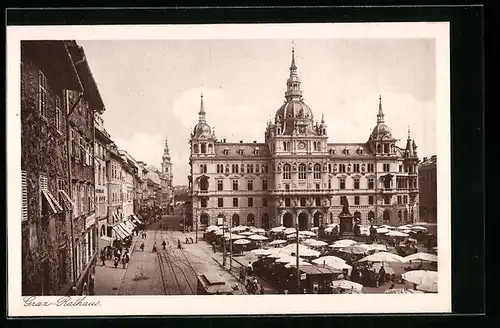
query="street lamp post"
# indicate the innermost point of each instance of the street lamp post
(297, 258)
(224, 242)
(230, 244)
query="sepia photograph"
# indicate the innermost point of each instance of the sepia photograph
(264, 160)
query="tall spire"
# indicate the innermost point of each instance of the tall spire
(202, 118)
(409, 135)
(293, 67)
(322, 118)
(293, 82)
(380, 115)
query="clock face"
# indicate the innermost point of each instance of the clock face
(302, 145)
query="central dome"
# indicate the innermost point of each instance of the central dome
(293, 109)
(381, 130)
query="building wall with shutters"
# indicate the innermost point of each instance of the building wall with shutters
(43, 152)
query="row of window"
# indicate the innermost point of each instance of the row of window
(235, 185)
(235, 168)
(220, 202)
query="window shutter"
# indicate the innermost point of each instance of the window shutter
(24, 188)
(43, 183)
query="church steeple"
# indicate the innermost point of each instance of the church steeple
(202, 114)
(293, 82)
(380, 115)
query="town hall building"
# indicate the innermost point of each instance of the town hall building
(296, 176)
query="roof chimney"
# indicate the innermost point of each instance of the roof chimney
(425, 158)
(241, 141)
(254, 141)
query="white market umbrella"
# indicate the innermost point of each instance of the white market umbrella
(317, 243)
(396, 234)
(332, 225)
(239, 228)
(308, 241)
(356, 249)
(346, 284)
(275, 253)
(291, 236)
(377, 247)
(307, 233)
(383, 257)
(404, 227)
(284, 258)
(301, 263)
(303, 250)
(387, 226)
(327, 260)
(278, 229)
(261, 252)
(343, 243)
(257, 238)
(329, 229)
(383, 230)
(212, 228)
(429, 284)
(233, 237)
(289, 230)
(246, 233)
(277, 242)
(418, 228)
(406, 231)
(422, 257)
(242, 242)
(420, 277)
(314, 228)
(257, 230)
(219, 232)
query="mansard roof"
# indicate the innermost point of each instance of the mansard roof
(248, 149)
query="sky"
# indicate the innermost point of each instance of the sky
(152, 88)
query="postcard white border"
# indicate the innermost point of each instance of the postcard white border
(219, 305)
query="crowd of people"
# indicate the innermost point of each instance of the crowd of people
(117, 253)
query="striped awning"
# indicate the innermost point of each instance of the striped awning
(136, 219)
(129, 224)
(119, 232)
(126, 228)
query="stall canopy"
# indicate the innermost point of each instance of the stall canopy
(127, 228)
(136, 219)
(130, 225)
(119, 232)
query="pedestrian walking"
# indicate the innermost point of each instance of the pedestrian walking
(154, 247)
(142, 247)
(261, 290)
(103, 258)
(213, 246)
(163, 244)
(124, 261)
(115, 262)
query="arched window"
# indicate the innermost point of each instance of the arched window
(195, 148)
(204, 219)
(264, 168)
(400, 216)
(286, 171)
(257, 168)
(342, 168)
(203, 148)
(250, 219)
(386, 148)
(302, 171)
(379, 148)
(103, 230)
(236, 220)
(201, 168)
(204, 183)
(315, 145)
(317, 171)
(210, 148)
(371, 216)
(387, 216)
(406, 215)
(357, 215)
(284, 146)
(329, 168)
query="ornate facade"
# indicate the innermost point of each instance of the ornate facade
(297, 176)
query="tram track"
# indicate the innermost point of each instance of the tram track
(168, 258)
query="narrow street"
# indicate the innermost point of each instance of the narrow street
(169, 271)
